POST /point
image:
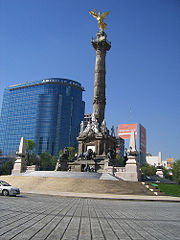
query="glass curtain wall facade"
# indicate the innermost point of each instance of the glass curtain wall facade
(47, 111)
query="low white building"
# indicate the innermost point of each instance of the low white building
(155, 160)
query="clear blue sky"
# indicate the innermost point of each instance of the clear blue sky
(52, 38)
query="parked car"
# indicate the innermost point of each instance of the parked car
(7, 190)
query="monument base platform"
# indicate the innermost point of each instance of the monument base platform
(38, 182)
(96, 165)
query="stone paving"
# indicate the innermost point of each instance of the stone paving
(40, 217)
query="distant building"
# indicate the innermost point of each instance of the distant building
(170, 162)
(148, 154)
(124, 131)
(120, 147)
(155, 160)
(47, 111)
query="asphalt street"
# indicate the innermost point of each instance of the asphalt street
(40, 217)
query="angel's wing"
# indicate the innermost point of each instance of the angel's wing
(94, 14)
(105, 14)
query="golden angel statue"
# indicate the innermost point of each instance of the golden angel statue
(100, 18)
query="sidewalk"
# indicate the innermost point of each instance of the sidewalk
(108, 196)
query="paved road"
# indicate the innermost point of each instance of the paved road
(40, 217)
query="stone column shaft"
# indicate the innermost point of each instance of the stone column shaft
(101, 45)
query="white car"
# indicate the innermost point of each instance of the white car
(6, 189)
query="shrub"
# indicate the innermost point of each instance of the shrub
(148, 170)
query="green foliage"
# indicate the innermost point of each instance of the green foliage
(30, 157)
(166, 173)
(61, 152)
(53, 161)
(33, 160)
(7, 168)
(148, 170)
(48, 162)
(170, 189)
(176, 171)
(119, 161)
(30, 144)
(72, 152)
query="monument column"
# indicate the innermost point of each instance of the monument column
(95, 134)
(101, 45)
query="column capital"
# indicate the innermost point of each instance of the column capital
(101, 42)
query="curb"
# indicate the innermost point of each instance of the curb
(107, 196)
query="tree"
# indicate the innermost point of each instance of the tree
(176, 171)
(119, 161)
(166, 173)
(30, 145)
(7, 168)
(48, 162)
(148, 170)
(34, 159)
(61, 152)
(71, 151)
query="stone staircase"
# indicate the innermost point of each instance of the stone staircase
(76, 183)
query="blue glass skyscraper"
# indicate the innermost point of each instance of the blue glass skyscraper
(48, 111)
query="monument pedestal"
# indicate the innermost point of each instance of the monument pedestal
(108, 168)
(132, 169)
(81, 165)
(19, 166)
(97, 139)
(20, 163)
(98, 142)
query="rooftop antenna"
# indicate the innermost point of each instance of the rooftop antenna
(130, 115)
